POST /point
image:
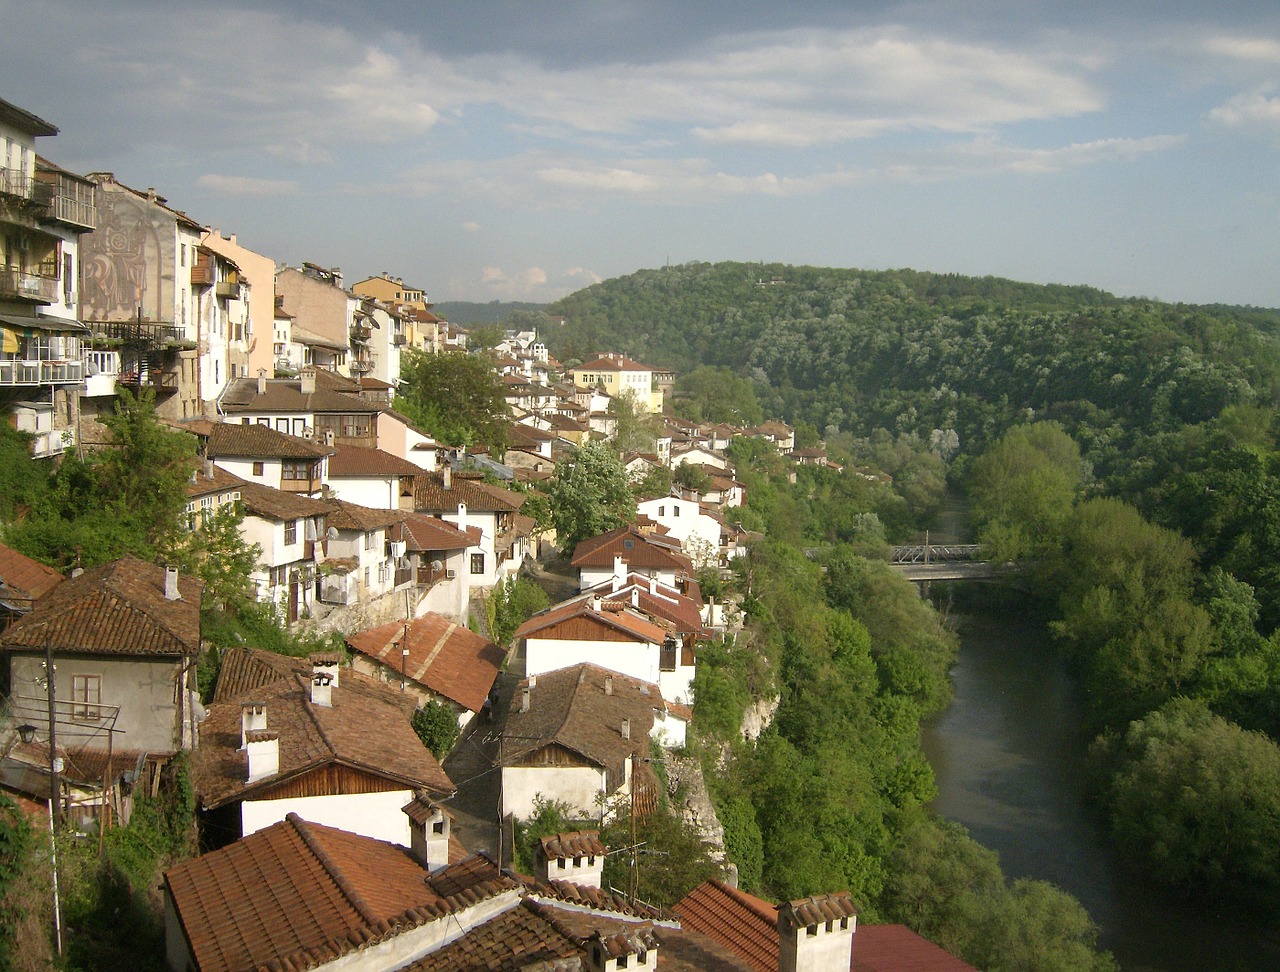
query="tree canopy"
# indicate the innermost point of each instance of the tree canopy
(589, 495)
(456, 397)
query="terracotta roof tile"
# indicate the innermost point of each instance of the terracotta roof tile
(352, 516)
(297, 894)
(569, 708)
(575, 843)
(618, 616)
(430, 496)
(745, 924)
(275, 504)
(214, 480)
(444, 656)
(239, 441)
(286, 395)
(115, 609)
(26, 578)
(366, 727)
(427, 533)
(354, 461)
(637, 548)
(896, 948)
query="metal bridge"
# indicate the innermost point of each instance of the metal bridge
(926, 561)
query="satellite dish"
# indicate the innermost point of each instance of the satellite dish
(437, 565)
(332, 533)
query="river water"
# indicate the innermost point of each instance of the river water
(1008, 759)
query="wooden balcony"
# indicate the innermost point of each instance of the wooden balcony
(25, 285)
(202, 270)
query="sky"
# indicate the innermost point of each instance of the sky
(524, 149)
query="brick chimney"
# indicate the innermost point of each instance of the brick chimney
(815, 934)
(429, 828)
(577, 856)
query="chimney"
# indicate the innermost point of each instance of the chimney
(524, 699)
(595, 603)
(171, 592)
(208, 469)
(653, 584)
(635, 597)
(429, 828)
(626, 728)
(264, 754)
(307, 381)
(262, 381)
(608, 685)
(816, 933)
(606, 953)
(321, 688)
(577, 857)
(619, 572)
(253, 717)
(447, 472)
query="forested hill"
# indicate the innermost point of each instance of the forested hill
(911, 351)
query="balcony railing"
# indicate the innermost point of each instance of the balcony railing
(360, 332)
(228, 288)
(145, 334)
(15, 182)
(202, 271)
(32, 371)
(27, 285)
(52, 443)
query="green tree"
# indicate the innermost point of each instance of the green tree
(457, 397)
(215, 551)
(634, 430)
(512, 603)
(1196, 801)
(1023, 488)
(436, 726)
(716, 394)
(589, 495)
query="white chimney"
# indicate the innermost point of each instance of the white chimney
(307, 381)
(171, 592)
(608, 685)
(635, 597)
(626, 728)
(324, 676)
(447, 472)
(595, 603)
(428, 832)
(264, 754)
(524, 700)
(636, 948)
(253, 717)
(262, 381)
(576, 857)
(619, 572)
(815, 934)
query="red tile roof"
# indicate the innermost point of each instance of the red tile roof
(638, 548)
(352, 516)
(115, 609)
(747, 926)
(275, 504)
(26, 578)
(444, 656)
(257, 441)
(367, 728)
(353, 461)
(427, 533)
(298, 894)
(208, 482)
(614, 616)
(430, 496)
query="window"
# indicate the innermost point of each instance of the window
(86, 695)
(259, 468)
(477, 563)
(662, 511)
(675, 511)
(368, 541)
(667, 656)
(295, 470)
(291, 531)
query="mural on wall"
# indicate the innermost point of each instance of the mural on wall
(127, 262)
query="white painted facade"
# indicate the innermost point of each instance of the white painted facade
(376, 815)
(375, 492)
(640, 660)
(685, 521)
(589, 577)
(400, 439)
(578, 786)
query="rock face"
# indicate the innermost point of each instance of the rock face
(688, 792)
(758, 717)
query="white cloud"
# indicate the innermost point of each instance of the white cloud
(1258, 110)
(246, 186)
(1262, 50)
(527, 284)
(471, 227)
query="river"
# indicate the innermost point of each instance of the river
(1008, 759)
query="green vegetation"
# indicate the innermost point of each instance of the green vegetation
(437, 727)
(589, 495)
(511, 604)
(457, 397)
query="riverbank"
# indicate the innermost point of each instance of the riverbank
(1008, 755)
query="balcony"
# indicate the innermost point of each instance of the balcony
(202, 270)
(24, 285)
(54, 442)
(361, 332)
(228, 288)
(399, 340)
(102, 368)
(32, 371)
(65, 199)
(146, 335)
(15, 182)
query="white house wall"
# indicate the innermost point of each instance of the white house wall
(377, 493)
(589, 577)
(577, 786)
(376, 815)
(639, 660)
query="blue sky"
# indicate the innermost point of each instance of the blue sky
(520, 150)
